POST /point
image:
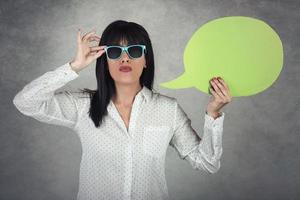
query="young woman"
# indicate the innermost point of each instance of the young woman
(124, 127)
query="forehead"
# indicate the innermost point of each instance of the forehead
(123, 41)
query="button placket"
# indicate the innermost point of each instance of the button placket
(132, 119)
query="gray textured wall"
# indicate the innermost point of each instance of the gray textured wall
(261, 155)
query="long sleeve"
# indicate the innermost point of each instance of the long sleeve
(39, 100)
(202, 153)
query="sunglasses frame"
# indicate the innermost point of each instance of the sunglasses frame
(126, 50)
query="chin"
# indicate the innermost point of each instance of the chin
(127, 82)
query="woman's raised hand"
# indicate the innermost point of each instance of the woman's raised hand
(86, 54)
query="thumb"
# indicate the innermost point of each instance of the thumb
(99, 53)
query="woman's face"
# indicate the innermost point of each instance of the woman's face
(128, 77)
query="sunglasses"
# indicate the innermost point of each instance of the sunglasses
(133, 51)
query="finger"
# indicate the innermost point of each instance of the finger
(96, 48)
(87, 35)
(98, 54)
(91, 39)
(217, 90)
(97, 36)
(79, 38)
(221, 87)
(223, 82)
(93, 53)
(225, 85)
(224, 88)
(214, 93)
(224, 92)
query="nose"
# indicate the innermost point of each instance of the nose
(124, 57)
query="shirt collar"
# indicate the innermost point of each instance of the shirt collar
(145, 92)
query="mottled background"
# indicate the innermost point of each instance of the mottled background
(261, 158)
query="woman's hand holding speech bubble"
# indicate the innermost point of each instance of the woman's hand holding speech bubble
(220, 97)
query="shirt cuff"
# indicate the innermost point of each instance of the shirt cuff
(210, 122)
(67, 69)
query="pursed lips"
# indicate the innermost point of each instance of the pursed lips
(125, 68)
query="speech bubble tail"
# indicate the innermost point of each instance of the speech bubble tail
(183, 81)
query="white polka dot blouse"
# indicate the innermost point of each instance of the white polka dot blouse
(120, 163)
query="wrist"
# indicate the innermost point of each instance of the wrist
(74, 66)
(213, 114)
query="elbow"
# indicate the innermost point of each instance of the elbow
(17, 102)
(23, 105)
(208, 167)
(212, 169)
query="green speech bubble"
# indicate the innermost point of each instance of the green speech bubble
(246, 52)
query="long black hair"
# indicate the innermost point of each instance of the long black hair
(115, 32)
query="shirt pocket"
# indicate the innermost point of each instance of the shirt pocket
(155, 140)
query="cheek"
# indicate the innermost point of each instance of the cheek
(140, 66)
(141, 62)
(112, 66)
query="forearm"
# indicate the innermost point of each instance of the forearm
(42, 88)
(209, 151)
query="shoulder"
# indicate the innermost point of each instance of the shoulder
(163, 99)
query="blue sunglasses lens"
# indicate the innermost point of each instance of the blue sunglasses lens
(135, 51)
(114, 52)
